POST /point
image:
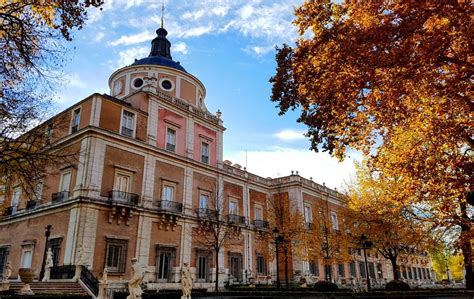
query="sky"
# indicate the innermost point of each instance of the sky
(230, 47)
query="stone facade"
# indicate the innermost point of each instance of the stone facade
(145, 158)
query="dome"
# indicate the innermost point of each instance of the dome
(160, 53)
(160, 60)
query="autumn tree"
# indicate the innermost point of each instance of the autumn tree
(31, 53)
(217, 226)
(285, 218)
(392, 79)
(378, 213)
(327, 236)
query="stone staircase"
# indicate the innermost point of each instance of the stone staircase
(50, 287)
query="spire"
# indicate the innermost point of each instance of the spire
(162, 12)
(160, 45)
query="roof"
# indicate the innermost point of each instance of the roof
(160, 60)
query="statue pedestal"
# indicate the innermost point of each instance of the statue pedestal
(26, 290)
(5, 285)
(102, 290)
(77, 274)
(47, 274)
(186, 297)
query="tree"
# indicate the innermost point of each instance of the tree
(284, 216)
(328, 239)
(390, 225)
(394, 80)
(31, 51)
(217, 227)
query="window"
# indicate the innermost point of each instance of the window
(335, 224)
(307, 214)
(415, 273)
(328, 271)
(128, 123)
(167, 193)
(258, 212)
(410, 275)
(166, 84)
(170, 140)
(164, 261)
(49, 133)
(235, 263)
(15, 199)
(352, 269)
(38, 190)
(379, 271)
(314, 268)
(233, 207)
(27, 258)
(203, 201)
(371, 270)
(4, 253)
(137, 82)
(362, 269)
(341, 270)
(202, 266)
(76, 118)
(65, 181)
(122, 181)
(419, 274)
(116, 255)
(261, 265)
(204, 152)
(55, 245)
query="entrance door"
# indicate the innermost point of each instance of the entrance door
(235, 266)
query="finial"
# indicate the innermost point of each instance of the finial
(162, 12)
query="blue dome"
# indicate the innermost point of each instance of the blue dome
(160, 60)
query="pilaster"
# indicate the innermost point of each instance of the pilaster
(143, 240)
(148, 181)
(153, 108)
(71, 235)
(90, 168)
(95, 111)
(188, 190)
(190, 137)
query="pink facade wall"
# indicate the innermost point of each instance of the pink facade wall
(203, 134)
(168, 118)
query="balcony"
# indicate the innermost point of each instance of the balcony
(74, 129)
(8, 211)
(59, 196)
(169, 206)
(127, 131)
(236, 219)
(262, 224)
(123, 197)
(206, 213)
(308, 226)
(31, 204)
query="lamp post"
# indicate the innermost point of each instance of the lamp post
(278, 239)
(366, 245)
(47, 233)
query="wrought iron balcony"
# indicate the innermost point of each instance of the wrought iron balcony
(8, 211)
(258, 223)
(31, 204)
(123, 197)
(206, 213)
(236, 219)
(59, 196)
(170, 206)
(308, 225)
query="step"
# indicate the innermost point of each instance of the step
(51, 287)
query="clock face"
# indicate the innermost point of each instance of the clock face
(117, 87)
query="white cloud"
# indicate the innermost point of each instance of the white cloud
(280, 162)
(74, 80)
(133, 38)
(128, 56)
(194, 32)
(289, 135)
(100, 35)
(180, 47)
(259, 50)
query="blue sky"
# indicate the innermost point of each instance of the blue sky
(229, 46)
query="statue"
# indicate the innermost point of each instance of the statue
(186, 282)
(48, 265)
(104, 274)
(134, 289)
(7, 272)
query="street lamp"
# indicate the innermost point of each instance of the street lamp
(366, 245)
(278, 239)
(47, 233)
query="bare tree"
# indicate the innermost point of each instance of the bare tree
(217, 227)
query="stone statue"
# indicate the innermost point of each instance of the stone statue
(104, 274)
(7, 272)
(134, 289)
(186, 282)
(48, 265)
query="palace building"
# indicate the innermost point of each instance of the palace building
(147, 164)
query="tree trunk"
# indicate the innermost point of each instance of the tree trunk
(393, 261)
(286, 269)
(466, 247)
(217, 270)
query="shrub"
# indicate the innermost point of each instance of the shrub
(397, 285)
(325, 286)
